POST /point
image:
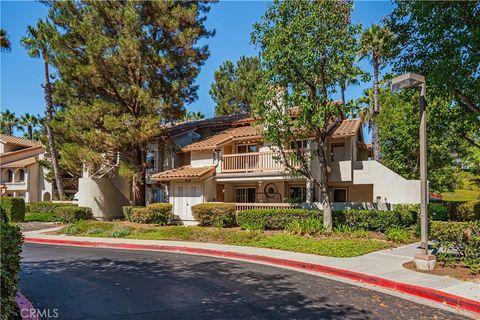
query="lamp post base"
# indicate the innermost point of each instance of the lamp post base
(425, 262)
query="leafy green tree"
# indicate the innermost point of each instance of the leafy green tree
(8, 122)
(38, 44)
(29, 122)
(376, 43)
(298, 42)
(234, 85)
(399, 133)
(125, 67)
(5, 44)
(440, 39)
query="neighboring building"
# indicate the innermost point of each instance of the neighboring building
(21, 174)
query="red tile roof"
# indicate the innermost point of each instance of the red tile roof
(347, 128)
(19, 163)
(185, 172)
(5, 138)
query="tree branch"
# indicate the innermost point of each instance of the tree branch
(467, 102)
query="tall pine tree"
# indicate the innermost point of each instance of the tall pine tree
(125, 67)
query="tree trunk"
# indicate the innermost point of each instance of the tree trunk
(139, 156)
(50, 135)
(376, 111)
(323, 184)
(30, 132)
(9, 129)
(342, 90)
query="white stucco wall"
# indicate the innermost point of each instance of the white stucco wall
(202, 158)
(391, 187)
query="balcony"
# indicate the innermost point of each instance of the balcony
(253, 162)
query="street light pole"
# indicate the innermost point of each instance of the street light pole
(424, 260)
(423, 170)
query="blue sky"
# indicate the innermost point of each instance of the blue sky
(21, 76)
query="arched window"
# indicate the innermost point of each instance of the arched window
(9, 175)
(21, 175)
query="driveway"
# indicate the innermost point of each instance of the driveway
(91, 283)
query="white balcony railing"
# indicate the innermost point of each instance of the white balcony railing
(253, 162)
(256, 205)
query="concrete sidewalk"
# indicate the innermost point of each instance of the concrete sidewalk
(385, 264)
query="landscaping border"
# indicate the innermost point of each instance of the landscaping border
(24, 304)
(418, 291)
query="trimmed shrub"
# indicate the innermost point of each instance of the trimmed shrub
(158, 213)
(11, 239)
(47, 206)
(469, 211)
(377, 220)
(437, 211)
(127, 210)
(276, 218)
(215, 214)
(69, 214)
(13, 208)
(461, 239)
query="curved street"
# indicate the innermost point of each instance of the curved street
(91, 283)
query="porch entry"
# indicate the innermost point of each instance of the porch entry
(186, 196)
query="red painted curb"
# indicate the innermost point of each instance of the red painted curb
(27, 311)
(422, 292)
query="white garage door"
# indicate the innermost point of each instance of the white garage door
(186, 196)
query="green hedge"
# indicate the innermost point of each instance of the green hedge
(275, 218)
(69, 214)
(11, 247)
(215, 214)
(458, 241)
(469, 211)
(158, 213)
(377, 220)
(13, 208)
(46, 206)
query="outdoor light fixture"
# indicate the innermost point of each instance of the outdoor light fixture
(424, 261)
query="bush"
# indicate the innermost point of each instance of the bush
(69, 214)
(469, 211)
(215, 214)
(158, 213)
(309, 227)
(13, 209)
(402, 216)
(437, 211)
(47, 206)
(397, 234)
(253, 227)
(276, 218)
(127, 210)
(11, 239)
(460, 239)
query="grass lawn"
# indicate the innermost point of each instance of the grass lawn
(468, 191)
(335, 245)
(40, 216)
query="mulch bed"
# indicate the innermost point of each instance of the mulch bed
(458, 271)
(36, 225)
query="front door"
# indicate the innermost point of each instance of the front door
(186, 196)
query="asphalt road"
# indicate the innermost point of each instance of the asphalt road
(89, 283)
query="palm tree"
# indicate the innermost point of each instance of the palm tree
(37, 44)
(376, 43)
(29, 121)
(5, 44)
(194, 116)
(9, 122)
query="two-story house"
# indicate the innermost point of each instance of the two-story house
(235, 165)
(21, 175)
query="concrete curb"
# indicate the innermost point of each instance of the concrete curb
(418, 291)
(24, 304)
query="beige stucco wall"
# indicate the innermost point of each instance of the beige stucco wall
(389, 186)
(202, 158)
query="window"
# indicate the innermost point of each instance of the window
(300, 144)
(244, 195)
(9, 175)
(150, 161)
(337, 152)
(340, 195)
(246, 148)
(21, 177)
(297, 194)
